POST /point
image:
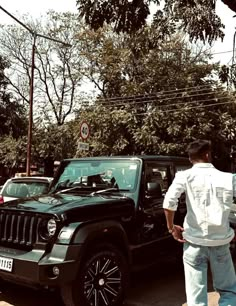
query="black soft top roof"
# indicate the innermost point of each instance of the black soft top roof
(143, 157)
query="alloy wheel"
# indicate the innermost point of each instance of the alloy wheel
(102, 281)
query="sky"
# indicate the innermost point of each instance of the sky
(37, 8)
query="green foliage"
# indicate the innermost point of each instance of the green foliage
(13, 151)
(169, 130)
(165, 128)
(12, 114)
(53, 141)
(197, 18)
(110, 134)
(127, 16)
(57, 72)
(157, 92)
(142, 64)
(155, 95)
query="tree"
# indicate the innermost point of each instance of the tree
(110, 131)
(169, 129)
(12, 113)
(13, 152)
(57, 68)
(142, 64)
(156, 95)
(166, 127)
(198, 18)
(51, 143)
(13, 122)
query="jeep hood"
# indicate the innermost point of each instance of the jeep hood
(75, 206)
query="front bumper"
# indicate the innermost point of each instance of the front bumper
(35, 268)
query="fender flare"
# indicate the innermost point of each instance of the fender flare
(87, 234)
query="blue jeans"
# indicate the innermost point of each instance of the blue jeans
(196, 259)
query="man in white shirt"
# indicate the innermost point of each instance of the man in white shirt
(206, 232)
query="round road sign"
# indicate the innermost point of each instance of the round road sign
(84, 130)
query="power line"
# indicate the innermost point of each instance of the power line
(195, 101)
(190, 102)
(188, 108)
(160, 99)
(222, 52)
(159, 94)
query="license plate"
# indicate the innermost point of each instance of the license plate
(6, 264)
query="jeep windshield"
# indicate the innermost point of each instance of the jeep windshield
(94, 175)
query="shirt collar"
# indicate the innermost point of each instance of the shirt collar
(203, 165)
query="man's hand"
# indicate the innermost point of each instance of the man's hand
(177, 233)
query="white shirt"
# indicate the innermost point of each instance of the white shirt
(209, 199)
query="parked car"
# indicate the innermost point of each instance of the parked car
(102, 217)
(21, 187)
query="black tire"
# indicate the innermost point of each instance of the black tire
(102, 279)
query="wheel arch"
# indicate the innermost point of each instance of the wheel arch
(110, 232)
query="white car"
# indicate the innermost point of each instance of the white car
(22, 187)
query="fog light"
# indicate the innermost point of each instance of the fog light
(56, 271)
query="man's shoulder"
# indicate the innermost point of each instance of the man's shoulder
(224, 173)
(183, 173)
(222, 177)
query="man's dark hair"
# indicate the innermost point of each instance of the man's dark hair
(198, 149)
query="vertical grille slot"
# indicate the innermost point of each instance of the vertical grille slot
(26, 220)
(32, 231)
(12, 226)
(6, 231)
(21, 229)
(18, 227)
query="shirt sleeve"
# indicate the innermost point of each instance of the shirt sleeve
(234, 186)
(174, 192)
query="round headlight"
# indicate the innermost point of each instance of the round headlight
(52, 227)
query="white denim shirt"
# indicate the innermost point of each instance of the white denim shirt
(209, 199)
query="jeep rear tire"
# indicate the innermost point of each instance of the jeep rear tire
(102, 279)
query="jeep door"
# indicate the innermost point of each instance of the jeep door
(153, 237)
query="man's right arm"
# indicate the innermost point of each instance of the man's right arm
(170, 205)
(234, 185)
(174, 192)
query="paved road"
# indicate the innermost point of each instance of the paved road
(161, 286)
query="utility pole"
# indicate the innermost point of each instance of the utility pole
(233, 59)
(31, 86)
(31, 98)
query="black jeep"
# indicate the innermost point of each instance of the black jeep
(102, 217)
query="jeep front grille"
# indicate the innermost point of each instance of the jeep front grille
(19, 230)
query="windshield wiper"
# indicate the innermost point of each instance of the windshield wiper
(62, 185)
(107, 190)
(81, 187)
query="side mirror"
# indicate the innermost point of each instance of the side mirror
(154, 190)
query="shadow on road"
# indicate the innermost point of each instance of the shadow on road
(162, 285)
